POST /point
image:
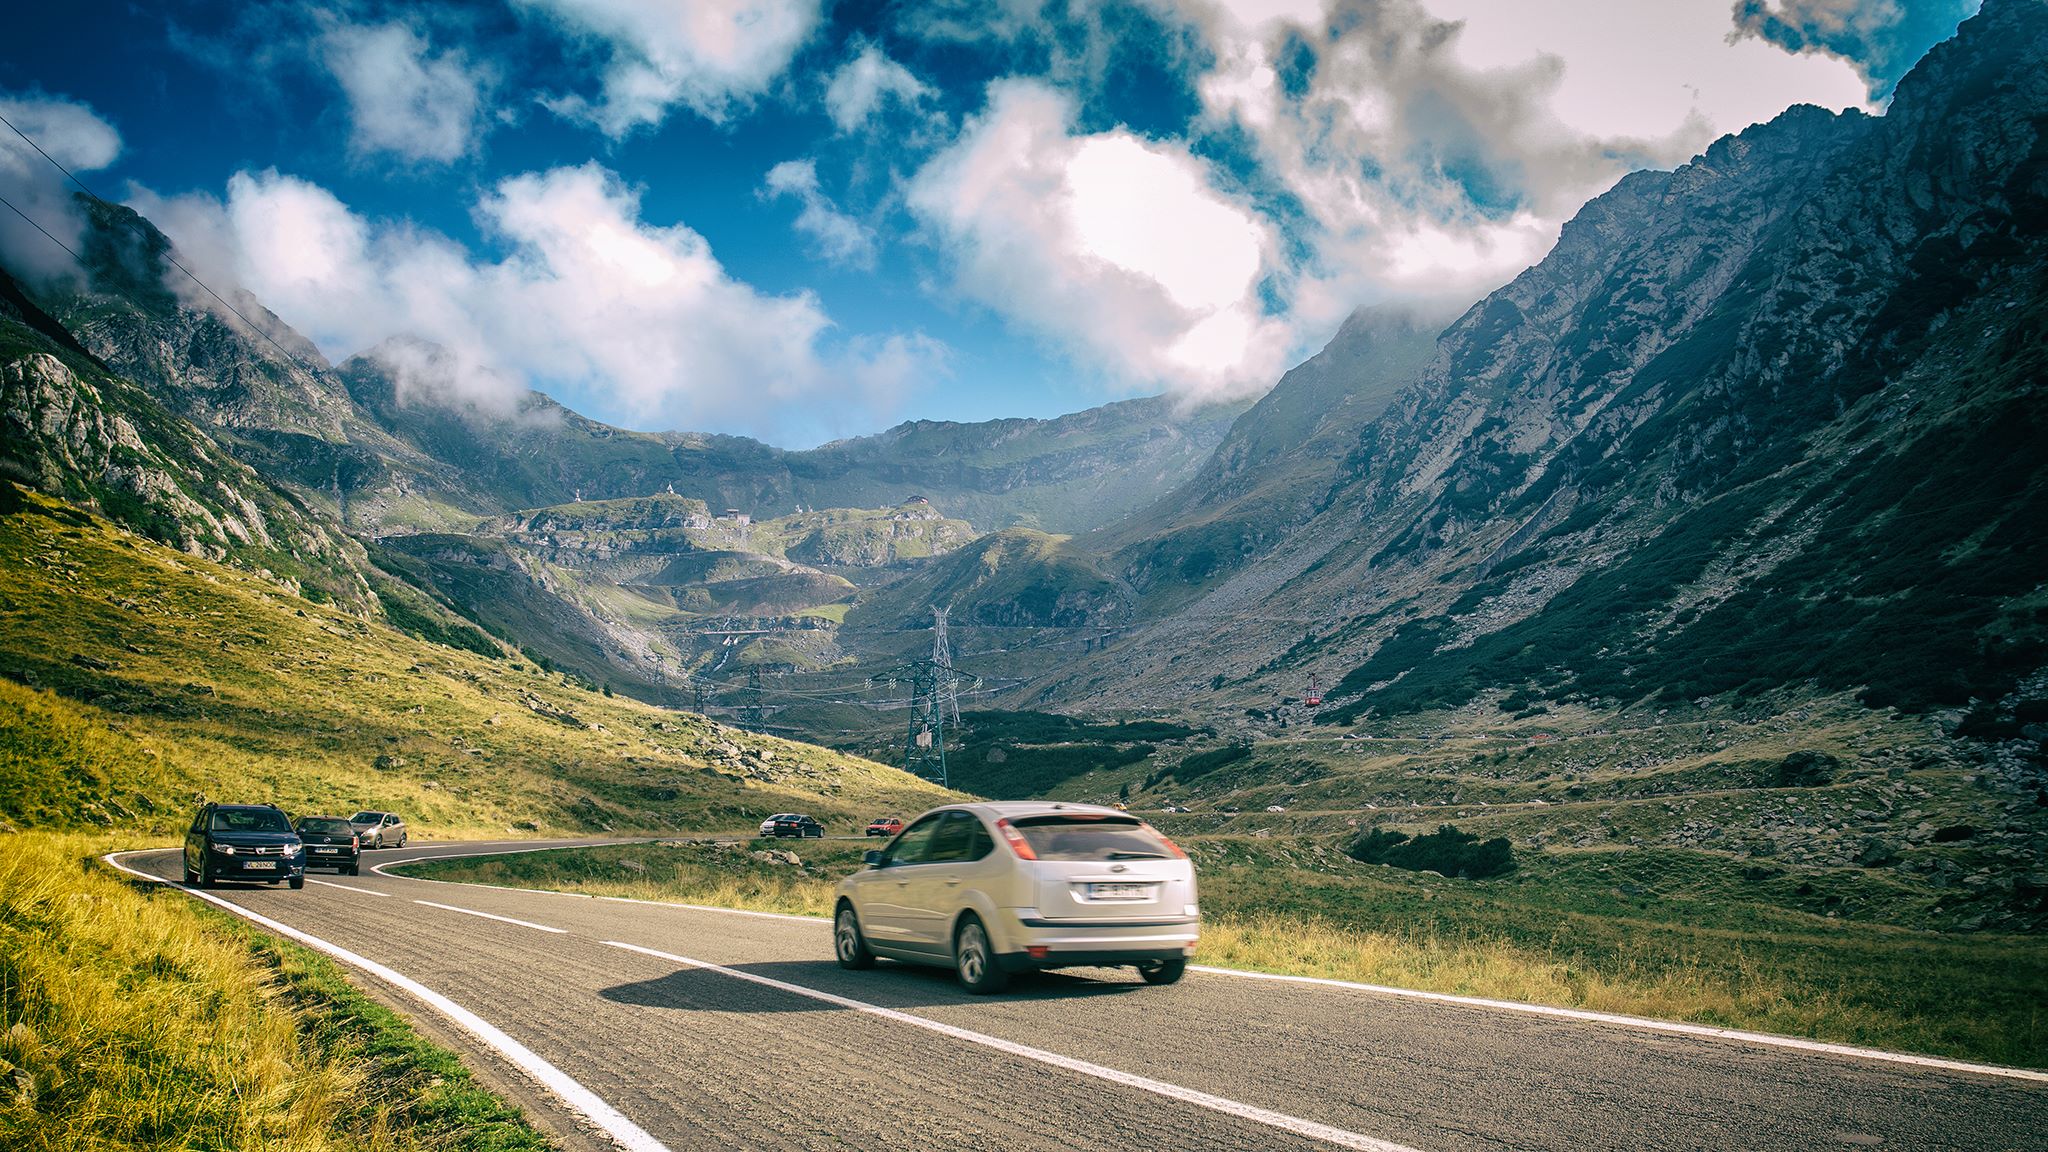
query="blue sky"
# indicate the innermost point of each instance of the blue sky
(798, 220)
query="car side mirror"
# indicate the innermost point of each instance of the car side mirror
(873, 858)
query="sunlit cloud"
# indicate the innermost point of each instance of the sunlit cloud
(591, 302)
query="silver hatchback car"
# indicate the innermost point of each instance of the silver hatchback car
(998, 888)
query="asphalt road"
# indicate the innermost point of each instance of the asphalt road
(710, 1029)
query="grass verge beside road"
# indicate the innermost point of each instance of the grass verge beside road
(131, 1017)
(1973, 997)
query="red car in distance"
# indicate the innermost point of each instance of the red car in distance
(884, 826)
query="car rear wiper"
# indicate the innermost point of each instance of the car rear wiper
(1139, 856)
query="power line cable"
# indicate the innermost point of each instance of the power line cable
(168, 255)
(40, 228)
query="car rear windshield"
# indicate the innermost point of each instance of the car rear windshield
(325, 825)
(250, 820)
(1082, 837)
(366, 817)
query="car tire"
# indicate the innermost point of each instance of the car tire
(205, 877)
(401, 839)
(848, 943)
(353, 869)
(974, 958)
(1162, 971)
(191, 878)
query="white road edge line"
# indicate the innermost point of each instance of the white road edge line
(1644, 1022)
(1294, 1124)
(583, 1101)
(1614, 1019)
(493, 916)
(346, 887)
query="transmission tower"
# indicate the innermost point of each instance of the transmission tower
(942, 656)
(750, 712)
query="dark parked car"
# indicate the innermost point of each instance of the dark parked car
(379, 829)
(243, 842)
(792, 824)
(331, 842)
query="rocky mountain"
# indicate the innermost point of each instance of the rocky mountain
(1773, 418)
(1071, 473)
(534, 520)
(1278, 462)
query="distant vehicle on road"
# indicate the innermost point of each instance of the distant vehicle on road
(1276, 807)
(792, 824)
(994, 889)
(243, 842)
(884, 826)
(379, 829)
(331, 842)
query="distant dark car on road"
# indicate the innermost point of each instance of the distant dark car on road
(243, 842)
(379, 829)
(792, 824)
(885, 826)
(331, 842)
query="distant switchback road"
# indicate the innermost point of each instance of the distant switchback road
(676, 1028)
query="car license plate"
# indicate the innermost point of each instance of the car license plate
(261, 865)
(1120, 891)
(326, 851)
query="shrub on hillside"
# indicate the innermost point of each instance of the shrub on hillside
(1446, 851)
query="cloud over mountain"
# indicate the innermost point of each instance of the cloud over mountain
(590, 300)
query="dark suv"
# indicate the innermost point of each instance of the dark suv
(243, 842)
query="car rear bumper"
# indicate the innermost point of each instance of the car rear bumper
(339, 858)
(1070, 942)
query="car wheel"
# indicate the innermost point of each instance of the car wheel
(974, 959)
(191, 878)
(205, 877)
(298, 882)
(401, 839)
(1162, 971)
(847, 942)
(353, 869)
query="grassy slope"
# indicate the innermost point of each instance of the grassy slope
(132, 1017)
(160, 677)
(138, 680)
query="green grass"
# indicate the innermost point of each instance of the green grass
(140, 679)
(132, 1017)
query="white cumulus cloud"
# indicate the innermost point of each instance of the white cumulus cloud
(705, 55)
(1117, 249)
(402, 97)
(74, 136)
(590, 302)
(839, 237)
(860, 87)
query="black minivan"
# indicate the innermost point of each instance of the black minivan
(253, 842)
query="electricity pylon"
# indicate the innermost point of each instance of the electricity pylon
(934, 704)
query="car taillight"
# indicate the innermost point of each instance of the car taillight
(355, 842)
(1170, 845)
(1015, 840)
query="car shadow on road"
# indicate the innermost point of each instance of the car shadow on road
(888, 986)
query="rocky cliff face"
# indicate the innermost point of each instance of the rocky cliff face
(1772, 418)
(77, 430)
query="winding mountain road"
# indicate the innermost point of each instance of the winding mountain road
(663, 1026)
